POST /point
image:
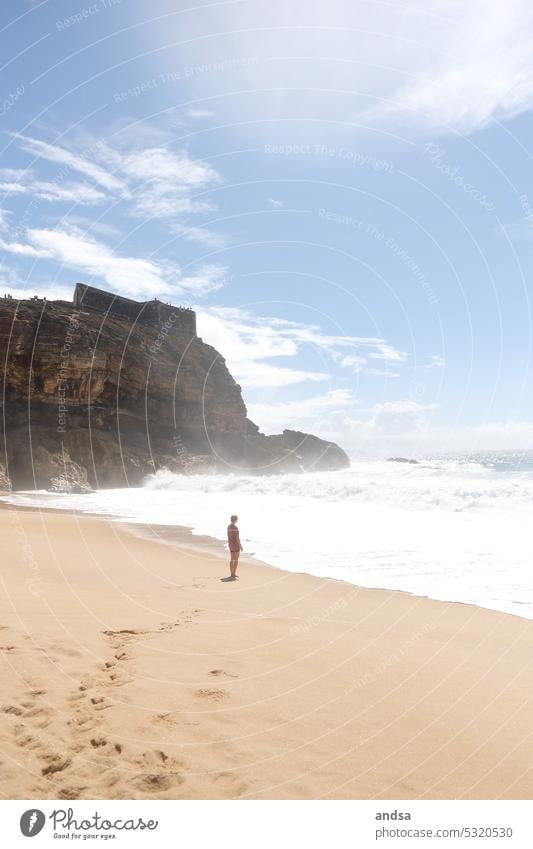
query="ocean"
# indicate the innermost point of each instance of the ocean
(455, 528)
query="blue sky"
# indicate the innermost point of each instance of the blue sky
(343, 191)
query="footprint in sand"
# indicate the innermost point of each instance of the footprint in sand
(229, 786)
(154, 758)
(76, 697)
(14, 709)
(70, 792)
(172, 720)
(163, 772)
(119, 639)
(155, 782)
(86, 684)
(125, 635)
(83, 719)
(118, 680)
(210, 695)
(26, 741)
(99, 703)
(68, 652)
(221, 673)
(55, 763)
(185, 618)
(29, 710)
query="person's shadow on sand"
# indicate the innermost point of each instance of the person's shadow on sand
(228, 580)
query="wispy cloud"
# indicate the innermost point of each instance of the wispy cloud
(399, 417)
(477, 68)
(392, 425)
(4, 220)
(273, 417)
(203, 235)
(76, 162)
(434, 361)
(17, 182)
(167, 182)
(251, 342)
(153, 182)
(126, 275)
(442, 64)
(27, 250)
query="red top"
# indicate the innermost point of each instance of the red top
(234, 540)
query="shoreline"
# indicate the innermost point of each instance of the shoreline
(162, 681)
(184, 537)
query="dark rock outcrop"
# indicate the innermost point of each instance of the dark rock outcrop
(5, 483)
(311, 453)
(96, 397)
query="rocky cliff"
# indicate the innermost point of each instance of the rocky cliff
(100, 395)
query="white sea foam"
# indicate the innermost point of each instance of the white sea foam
(449, 529)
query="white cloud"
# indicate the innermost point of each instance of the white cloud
(94, 226)
(4, 220)
(402, 425)
(405, 428)
(43, 288)
(353, 361)
(70, 192)
(132, 276)
(442, 62)
(482, 71)
(259, 375)
(398, 418)
(273, 417)
(20, 249)
(435, 361)
(248, 341)
(18, 181)
(12, 189)
(202, 235)
(166, 182)
(153, 182)
(386, 352)
(74, 161)
(275, 204)
(209, 278)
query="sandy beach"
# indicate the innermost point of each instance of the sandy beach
(130, 670)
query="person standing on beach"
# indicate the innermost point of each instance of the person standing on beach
(234, 544)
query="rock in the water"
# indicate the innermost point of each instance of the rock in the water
(401, 460)
(104, 390)
(309, 452)
(5, 483)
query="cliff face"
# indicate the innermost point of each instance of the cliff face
(100, 399)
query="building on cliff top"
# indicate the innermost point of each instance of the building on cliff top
(152, 313)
